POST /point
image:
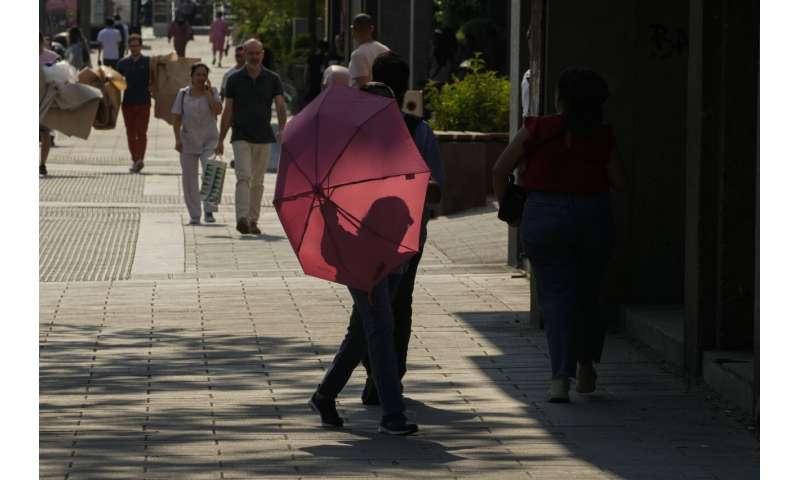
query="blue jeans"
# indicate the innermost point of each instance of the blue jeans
(568, 238)
(376, 333)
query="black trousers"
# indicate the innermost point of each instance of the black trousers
(401, 308)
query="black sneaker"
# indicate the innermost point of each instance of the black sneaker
(243, 226)
(42, 170)
(209, 217)
(326, 408)
(254, 229)
(397, 424)
(370, 394)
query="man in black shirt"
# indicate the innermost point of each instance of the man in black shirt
(249, 94)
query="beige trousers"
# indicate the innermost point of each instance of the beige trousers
(251, 164)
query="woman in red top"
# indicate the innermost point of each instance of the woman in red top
(569, 168)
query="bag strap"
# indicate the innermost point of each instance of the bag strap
(183, 99)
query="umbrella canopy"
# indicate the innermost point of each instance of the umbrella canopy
(351, 187)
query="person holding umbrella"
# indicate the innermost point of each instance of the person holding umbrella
(350, 194)
(390, 69)
(371, 333)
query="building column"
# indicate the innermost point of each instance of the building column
(721, 166)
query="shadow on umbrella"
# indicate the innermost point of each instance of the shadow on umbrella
(366, 241)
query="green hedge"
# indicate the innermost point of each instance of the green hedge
(478, 103)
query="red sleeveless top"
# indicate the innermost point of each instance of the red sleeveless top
(556, 161)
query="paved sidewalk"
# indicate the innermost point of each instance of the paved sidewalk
(170, 351)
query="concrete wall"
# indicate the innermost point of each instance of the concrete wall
(640, 47)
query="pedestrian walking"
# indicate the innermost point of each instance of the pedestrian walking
(390, 69)
(196, 108)
(122, 28)
(238, 55)
(78, 51)
(136, 69)
(367, 49)
(182, 32)
(46, 57)
(567, 230)
(372, 332)
(442, 62)
(249, 94)
(110, 39)
(217, 34)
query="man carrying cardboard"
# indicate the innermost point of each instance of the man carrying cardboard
(249, 94)
(136, 101)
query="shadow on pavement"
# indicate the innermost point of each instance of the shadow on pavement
(642, 422)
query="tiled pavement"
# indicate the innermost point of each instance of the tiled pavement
(170, 351)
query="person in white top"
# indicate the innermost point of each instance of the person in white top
(195, 113)
(109, 39)
(367, 50)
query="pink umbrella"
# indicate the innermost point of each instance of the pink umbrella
(351, 187)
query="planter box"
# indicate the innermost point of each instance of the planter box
(468, 158)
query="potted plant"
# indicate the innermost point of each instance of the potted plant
(470, 118)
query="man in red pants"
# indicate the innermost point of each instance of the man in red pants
(136, 102)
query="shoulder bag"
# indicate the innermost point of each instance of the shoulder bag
(513, 202)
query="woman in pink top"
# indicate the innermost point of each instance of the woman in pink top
(217, 34)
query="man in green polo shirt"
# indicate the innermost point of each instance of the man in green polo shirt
(249, 94)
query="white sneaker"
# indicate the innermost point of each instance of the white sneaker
(559, 390)
(586, 379)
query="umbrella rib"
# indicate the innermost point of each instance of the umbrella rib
(305, 228)
(316, 144)
(341, 262)
(356, 182)
(355, 134)
(297, 195)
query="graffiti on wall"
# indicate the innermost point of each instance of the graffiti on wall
(667, 42)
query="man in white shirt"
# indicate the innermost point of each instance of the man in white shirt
(367, 50)
(109, 39)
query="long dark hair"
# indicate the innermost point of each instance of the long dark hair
(583, 94)
(76, 36)
(197, 65)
